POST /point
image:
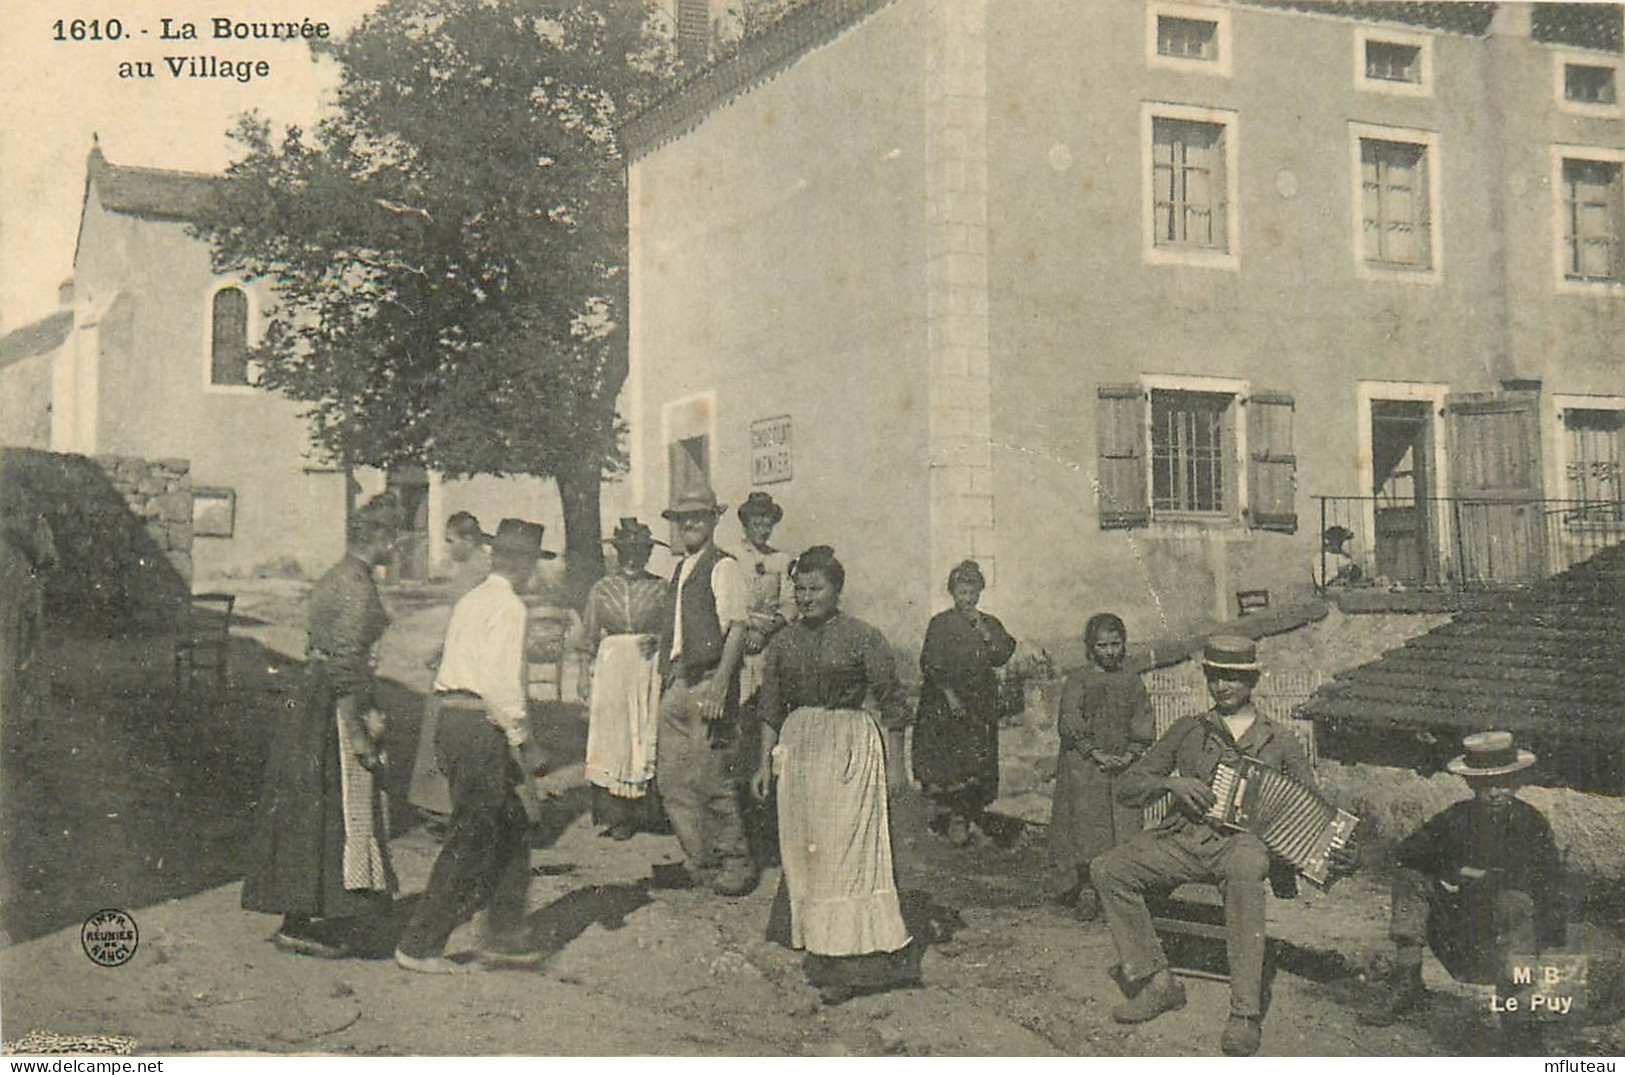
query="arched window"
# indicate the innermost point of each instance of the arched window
(228, 354)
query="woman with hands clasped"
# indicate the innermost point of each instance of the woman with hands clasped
(829, 755)
(956, 742)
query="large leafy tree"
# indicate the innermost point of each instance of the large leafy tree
(449, 246)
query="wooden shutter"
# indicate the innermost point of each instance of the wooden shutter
(1495, 478)
(1120, 436)
(1272, 476)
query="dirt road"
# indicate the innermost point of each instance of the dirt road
(120, 792)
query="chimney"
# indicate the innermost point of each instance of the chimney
(64, 293)
(693, 32)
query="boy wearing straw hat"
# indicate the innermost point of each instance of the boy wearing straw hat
(1480, 882)
(1188, 847)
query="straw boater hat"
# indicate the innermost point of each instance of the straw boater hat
(516, 537)
(1231, 653)
(630, 533)
(1490, 754)
(701, 501)
(761, 503)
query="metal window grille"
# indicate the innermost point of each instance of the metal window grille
(1596, 463)
(1187, 39)
(1187, 451)
(1188, 180)
(1395, 214)
(1593, 220)
(1392, 62)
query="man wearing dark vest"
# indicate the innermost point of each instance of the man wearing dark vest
(701, 649)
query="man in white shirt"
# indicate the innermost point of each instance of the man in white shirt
(486, 750)
(702, 647)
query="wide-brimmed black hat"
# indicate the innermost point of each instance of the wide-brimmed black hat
(630, 533)
(761, 504)
(516, 537)
(1490, 754)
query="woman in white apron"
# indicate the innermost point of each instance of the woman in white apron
(829, 756)
(621, 680)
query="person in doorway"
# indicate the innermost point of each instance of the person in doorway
(956, 739)
(486, 748)
(1105, 723)
(701, 649)
(831, 763)
(1480, 882)
(620, 680)
(1189, 846)
(319, 855)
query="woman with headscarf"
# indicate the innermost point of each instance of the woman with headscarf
(319, 854)
(620, 680)
(956, 740)
(829, 755)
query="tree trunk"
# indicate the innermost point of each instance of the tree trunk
(579, 494)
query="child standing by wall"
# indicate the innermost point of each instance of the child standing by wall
(1105, 723)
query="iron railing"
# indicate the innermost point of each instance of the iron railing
(1459, 543)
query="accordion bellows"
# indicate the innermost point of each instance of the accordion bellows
(1288, 816)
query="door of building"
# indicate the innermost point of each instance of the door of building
(1500, 522)
(1403, 483)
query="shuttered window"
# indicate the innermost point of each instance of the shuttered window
(1168, 453)
(1272, 474)
(1120, 436)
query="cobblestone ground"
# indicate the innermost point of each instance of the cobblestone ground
(122, 792)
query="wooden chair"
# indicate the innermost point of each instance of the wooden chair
(205, 642)
(546, 633)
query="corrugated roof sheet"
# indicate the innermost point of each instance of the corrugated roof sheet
(1547, 663)
(43, 335)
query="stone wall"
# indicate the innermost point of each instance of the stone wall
(122, 529)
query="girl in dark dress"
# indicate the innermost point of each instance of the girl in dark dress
(319, 855)
(956, 741)
(1105, 722)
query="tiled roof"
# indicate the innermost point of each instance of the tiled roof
(760, 58)
(1547, 663)
(1459, 17)
(150, 192)
(43, 335)
(1592, 26)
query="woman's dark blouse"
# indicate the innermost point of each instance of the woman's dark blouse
(835, 665)
(346, 620)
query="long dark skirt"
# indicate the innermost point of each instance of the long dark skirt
(956, 759)
(296, 853)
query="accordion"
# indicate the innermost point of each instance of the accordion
(1289, 817)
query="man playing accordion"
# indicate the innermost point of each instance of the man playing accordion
(1188, 847)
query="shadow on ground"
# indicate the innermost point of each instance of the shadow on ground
(125, 787)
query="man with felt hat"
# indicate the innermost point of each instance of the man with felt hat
(702, 646)
(1189, 846)
(484, 745)
(1480, 882)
